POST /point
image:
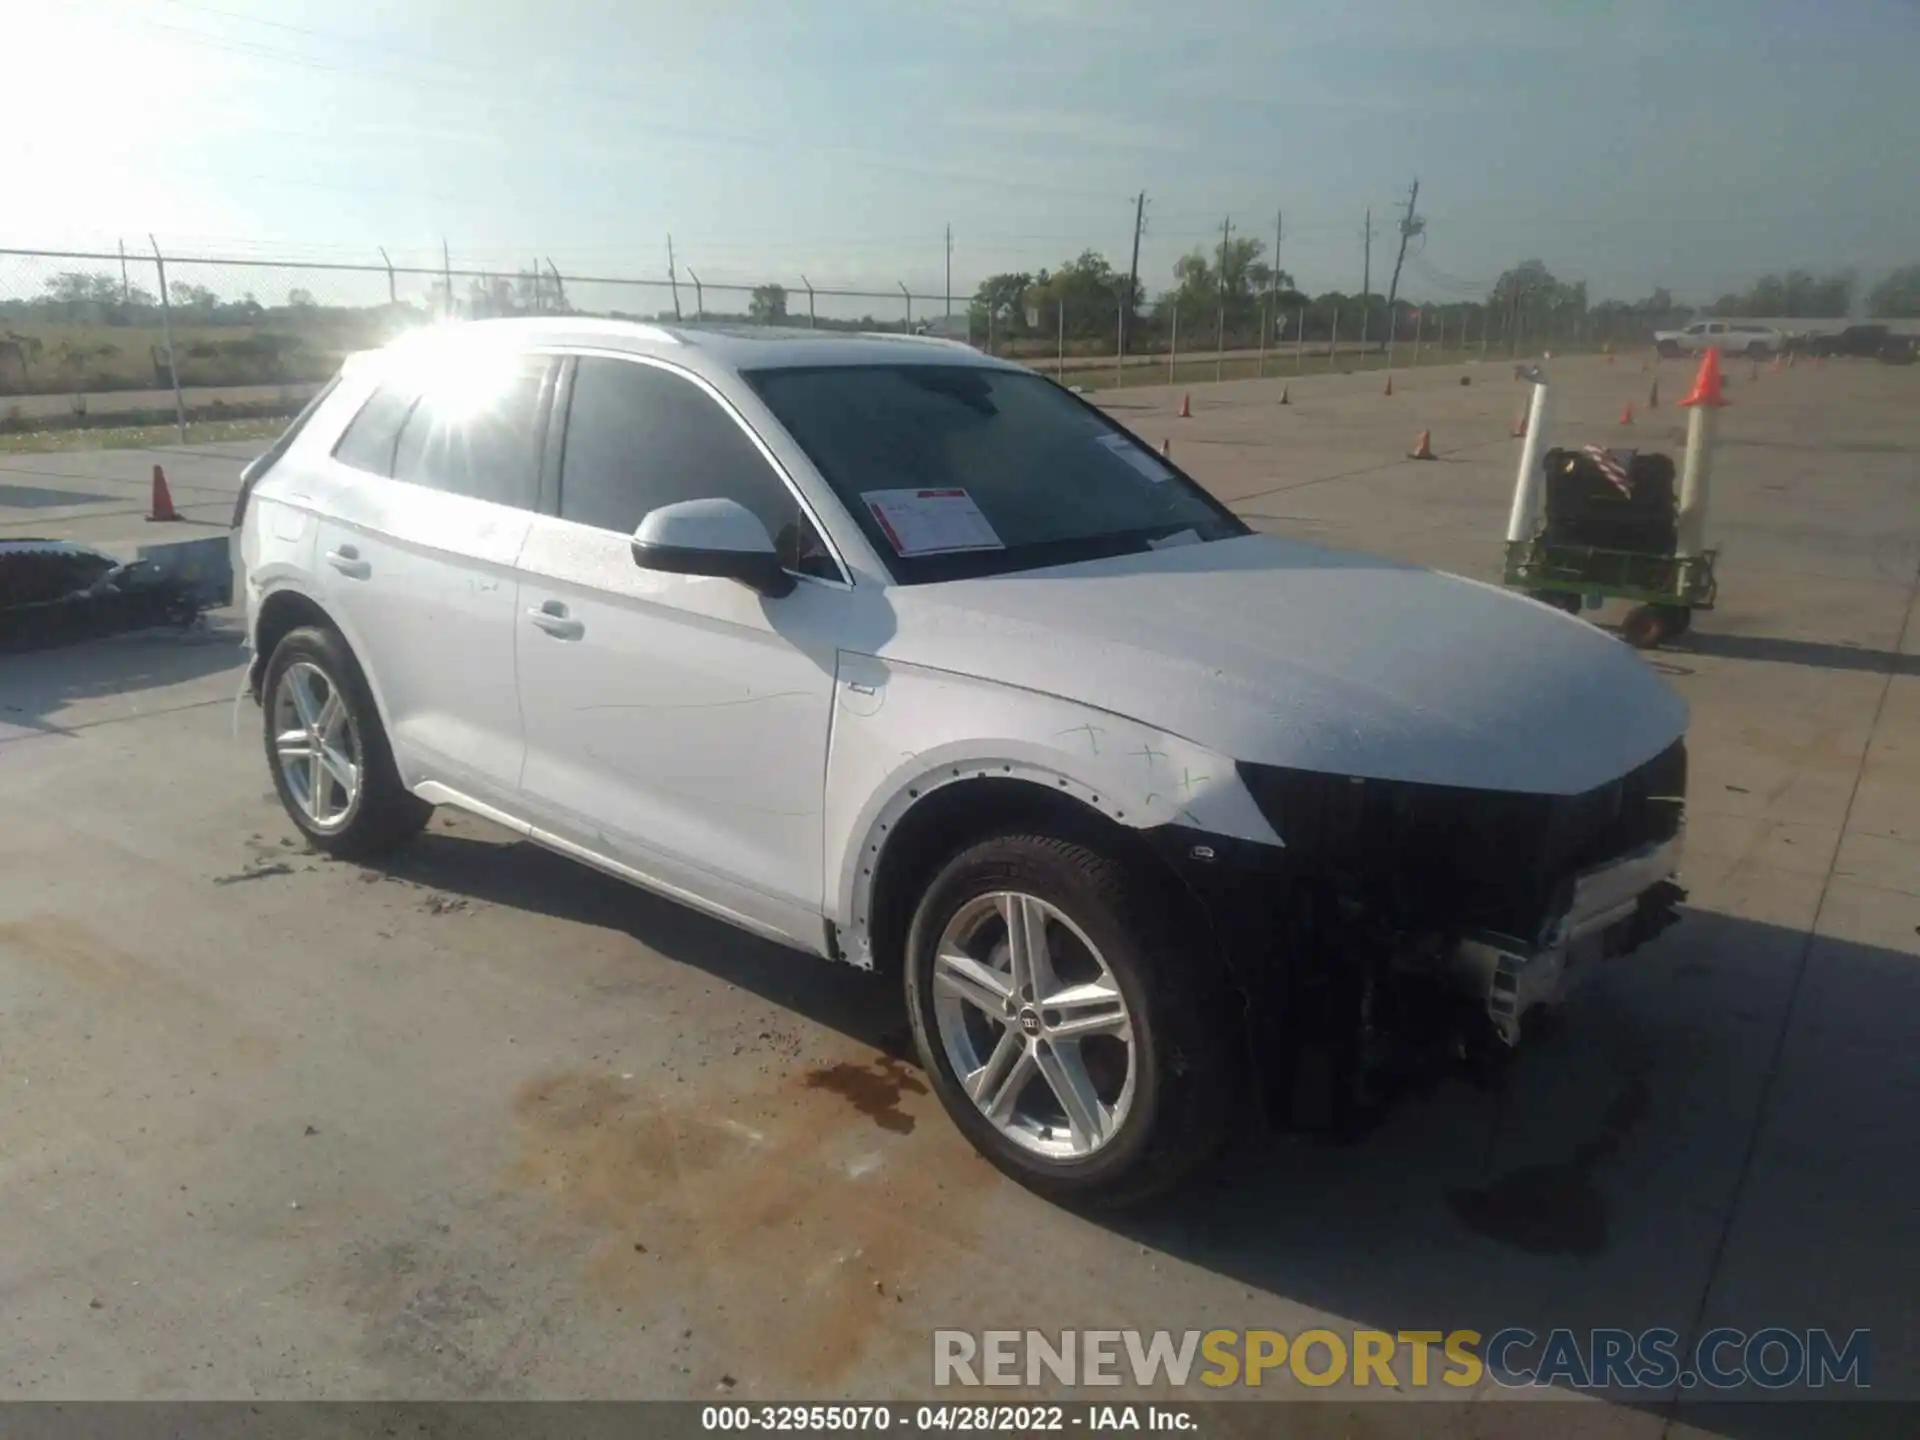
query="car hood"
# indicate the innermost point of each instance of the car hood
(1281, 653)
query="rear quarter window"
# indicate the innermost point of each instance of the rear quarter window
(373, 435)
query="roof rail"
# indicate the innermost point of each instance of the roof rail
(917, 339)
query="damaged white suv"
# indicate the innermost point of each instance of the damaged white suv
(911, 659)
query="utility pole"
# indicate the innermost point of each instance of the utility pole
(673, 279)
(1366, 278)
(1220, 333)
(1133, 269)
(1410, 226)
(949, 272)
(1273, 284)
(126, 287)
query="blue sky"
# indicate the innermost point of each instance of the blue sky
(1629, 144)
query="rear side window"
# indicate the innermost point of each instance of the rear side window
(478, 433)
(375, 432)
(639, 437)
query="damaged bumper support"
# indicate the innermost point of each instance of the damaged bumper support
(1614, 908)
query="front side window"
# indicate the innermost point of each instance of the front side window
(639, 437)
(475, 430)
(958, 471)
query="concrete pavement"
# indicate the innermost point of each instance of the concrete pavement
(484, 1123)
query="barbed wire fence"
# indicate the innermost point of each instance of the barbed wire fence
(142, 337)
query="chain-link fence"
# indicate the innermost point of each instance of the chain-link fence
(132, 337)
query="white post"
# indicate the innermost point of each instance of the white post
(1696, 473)
(1525, 514)
(1173, 343)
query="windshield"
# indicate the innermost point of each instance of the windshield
(957, 471)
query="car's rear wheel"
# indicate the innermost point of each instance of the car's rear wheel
(332, 766)
(1072, 1029)
(1757, 350)
(1668, 349)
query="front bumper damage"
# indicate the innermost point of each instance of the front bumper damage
(1616, 907)
(1404, 927)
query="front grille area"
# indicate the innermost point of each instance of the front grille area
(1444, 859)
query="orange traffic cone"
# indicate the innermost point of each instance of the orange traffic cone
(162, 507)
(1626, 413)
(1186, 407)
(1423, 447)
(1389, 389)
(1519, 430)
(1706, 383)
(1283, 396)
(1653, 396)
(1609, 355)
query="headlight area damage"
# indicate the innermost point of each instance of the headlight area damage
(1405, 924)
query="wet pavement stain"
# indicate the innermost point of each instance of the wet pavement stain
(777, 1212)
(874, 1090)
(1559, 1209)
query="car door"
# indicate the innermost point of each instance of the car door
(437, 479)
(677, 725)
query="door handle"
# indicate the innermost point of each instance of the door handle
(348, 562)
(552, 617)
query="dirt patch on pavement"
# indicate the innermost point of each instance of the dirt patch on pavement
(791, 1219)
(874, 1090)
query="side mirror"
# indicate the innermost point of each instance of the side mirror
(721, 538)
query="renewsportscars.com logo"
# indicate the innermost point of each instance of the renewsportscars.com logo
(1773, 1358)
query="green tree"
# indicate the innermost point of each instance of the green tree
(1232, 277)
(1796, 294)
(769, 304)
(1898, 296)
(1090, 291)
(1003, 299)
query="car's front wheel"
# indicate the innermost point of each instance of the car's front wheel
(1075, 1033)
(331, 763)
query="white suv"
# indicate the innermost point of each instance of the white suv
(1735, 337)
(910, 658)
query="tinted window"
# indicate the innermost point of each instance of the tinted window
(370, 439)
(639, 437)
(475, 432)
(1053, 480)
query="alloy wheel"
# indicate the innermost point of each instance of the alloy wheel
(1034, 1025)
(316, 745)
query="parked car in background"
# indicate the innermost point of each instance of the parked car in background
(908, 658)
(1731, 337)
(1867, 342)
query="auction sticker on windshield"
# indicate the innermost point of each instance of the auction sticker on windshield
(931, 522)
(1124, 449)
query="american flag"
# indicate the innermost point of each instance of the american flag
(1611, 466)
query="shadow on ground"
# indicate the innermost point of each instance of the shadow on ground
(1596, 1187)
(1816, 653)
(38, 685)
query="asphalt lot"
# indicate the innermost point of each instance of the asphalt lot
(486, 1124)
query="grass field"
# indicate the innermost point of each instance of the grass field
(136, 437)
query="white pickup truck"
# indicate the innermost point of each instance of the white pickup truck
(1734, 337)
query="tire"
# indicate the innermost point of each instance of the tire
(1648, 626)
(1668, 350)
(1169, 1099)
(376, 813)
(1757, 350)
